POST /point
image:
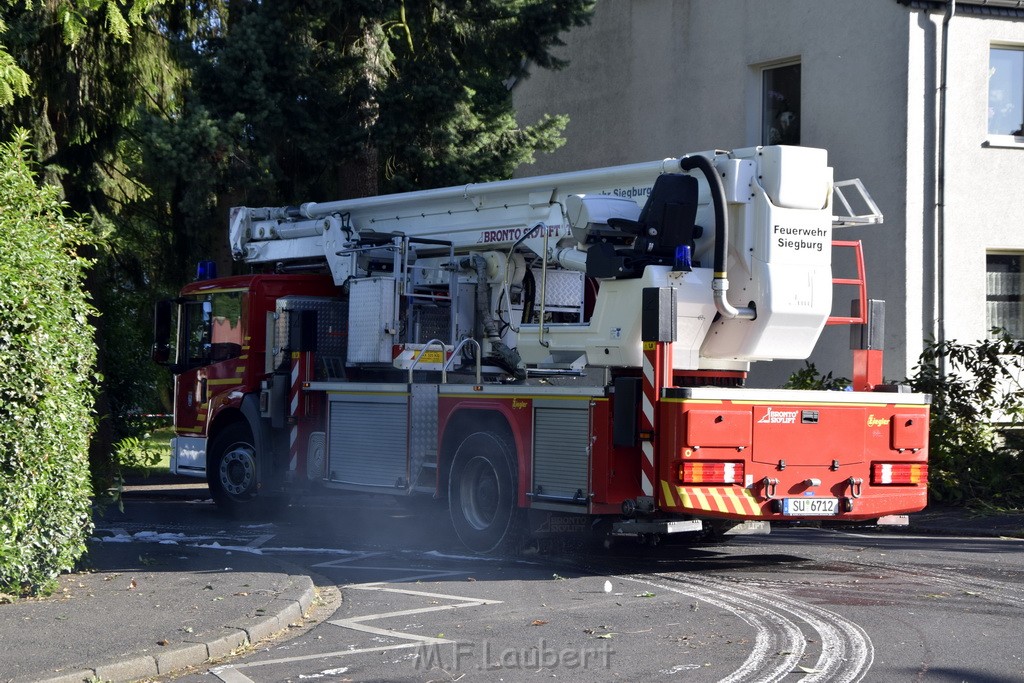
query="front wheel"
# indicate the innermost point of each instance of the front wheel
(483, 495)
(232, 470)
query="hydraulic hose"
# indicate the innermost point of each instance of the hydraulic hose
(720, 282)
(483, 296)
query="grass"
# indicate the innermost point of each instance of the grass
(149, 455)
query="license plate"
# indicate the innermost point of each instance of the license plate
(807, 507)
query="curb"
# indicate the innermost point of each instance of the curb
(972, 532)
(289, 606)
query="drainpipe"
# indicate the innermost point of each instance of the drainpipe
(940, 192)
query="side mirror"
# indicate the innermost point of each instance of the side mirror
(162, 311)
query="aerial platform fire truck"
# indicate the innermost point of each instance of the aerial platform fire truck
(553, 353)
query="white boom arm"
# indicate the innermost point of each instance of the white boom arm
(485, 215)
(777, 200)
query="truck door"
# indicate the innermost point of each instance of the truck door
(210, 341)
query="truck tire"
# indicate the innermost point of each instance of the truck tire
(232, 471)
(483, 494)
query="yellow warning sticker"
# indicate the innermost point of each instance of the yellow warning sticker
(431, 357)
(650, 346)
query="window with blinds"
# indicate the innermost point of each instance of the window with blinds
(1003, 297)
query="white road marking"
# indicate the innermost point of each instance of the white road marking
(259, 541)
(347, 560)
(306, 658)
(429, 575)
(230, 674)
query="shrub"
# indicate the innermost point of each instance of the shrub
(809, 377)
(974, 454)
(48, 384)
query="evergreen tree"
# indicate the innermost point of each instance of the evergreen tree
(292, 101)
(156, 117)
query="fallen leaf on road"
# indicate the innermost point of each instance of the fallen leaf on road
(646, 594)
(132, 585)
(538, 622)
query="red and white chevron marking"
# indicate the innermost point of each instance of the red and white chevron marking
(293, 411)
(657, 371)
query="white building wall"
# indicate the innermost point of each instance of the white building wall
(656, 78)
(984, 184)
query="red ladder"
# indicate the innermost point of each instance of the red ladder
(860, 282)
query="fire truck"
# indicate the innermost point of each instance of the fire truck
(553, 353)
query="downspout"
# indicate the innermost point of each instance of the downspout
(940, 193)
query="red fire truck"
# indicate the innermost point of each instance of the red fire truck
(548, 353)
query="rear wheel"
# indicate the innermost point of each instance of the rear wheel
(232, 471)
(483, 494)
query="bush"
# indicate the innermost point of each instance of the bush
(809, 377)
(48, 383)
(977, 404)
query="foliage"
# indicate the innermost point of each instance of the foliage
(94, 67)
(809, 377)
(977, 406)
(48, 385)
(72, 20)
(291, 101)
(154, 117)
(145, 448)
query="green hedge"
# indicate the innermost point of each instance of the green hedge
(47, 382)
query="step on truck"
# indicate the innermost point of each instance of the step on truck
(549, 354)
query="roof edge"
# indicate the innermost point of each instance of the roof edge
(999, 9)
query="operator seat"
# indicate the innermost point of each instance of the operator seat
(666, 221)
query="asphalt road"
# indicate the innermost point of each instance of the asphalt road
(800, 604)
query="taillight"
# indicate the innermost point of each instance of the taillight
(705, 472)
(899, 473)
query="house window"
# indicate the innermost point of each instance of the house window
(780, 105)
(1006, 91)
(1003, 297)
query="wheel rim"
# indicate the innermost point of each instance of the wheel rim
(238, 470)
(480, 493)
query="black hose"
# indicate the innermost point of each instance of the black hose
(696, 161)
(529, 292)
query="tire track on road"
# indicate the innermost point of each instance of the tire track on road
(779, 642)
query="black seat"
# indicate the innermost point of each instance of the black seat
(666, 221)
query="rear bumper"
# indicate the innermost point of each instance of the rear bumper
(739, 502)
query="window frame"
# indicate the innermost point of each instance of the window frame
(1000, 296)
(764, 101)
(1004, 140)
(199, 342)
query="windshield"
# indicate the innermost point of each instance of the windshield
(212, 327)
